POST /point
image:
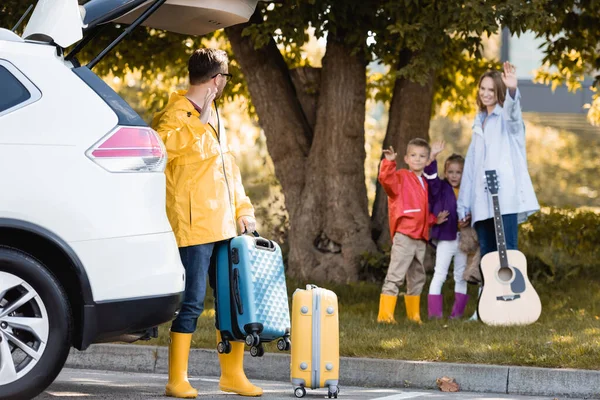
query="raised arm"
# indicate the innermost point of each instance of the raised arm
(431, 171)
(388, 178)
(512, 101)
(433, 181)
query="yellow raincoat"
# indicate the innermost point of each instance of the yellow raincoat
(205, 195)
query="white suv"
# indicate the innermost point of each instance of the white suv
(86, 251)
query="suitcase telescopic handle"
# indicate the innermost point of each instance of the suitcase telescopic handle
(261, 242)
(264, 243)
(236, 291)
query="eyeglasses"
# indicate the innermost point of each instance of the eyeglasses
(226, 76)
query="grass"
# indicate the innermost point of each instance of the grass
(567, 335)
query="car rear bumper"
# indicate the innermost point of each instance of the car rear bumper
(114, 320)
(137, 283)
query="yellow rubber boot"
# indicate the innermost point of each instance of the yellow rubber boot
(233, 379)
(413, 310)
(179, 351)
(387, 306)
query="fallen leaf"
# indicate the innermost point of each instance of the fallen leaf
(447, 384)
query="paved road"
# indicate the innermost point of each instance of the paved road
(89, 384)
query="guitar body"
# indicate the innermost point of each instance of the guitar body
(508, 298)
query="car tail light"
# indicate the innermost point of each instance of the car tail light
(130, 149)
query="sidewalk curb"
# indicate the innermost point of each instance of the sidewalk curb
(356, 371)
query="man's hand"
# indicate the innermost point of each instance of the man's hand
(436, 149)
(389, 154)
(442, 217)
(246, 224)
(466, 221)
(206, 105)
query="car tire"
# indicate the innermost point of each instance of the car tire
(28, 364)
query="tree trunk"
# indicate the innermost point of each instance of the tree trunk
(410, 114)
(307, 81)
(281, 117)
(322, 169)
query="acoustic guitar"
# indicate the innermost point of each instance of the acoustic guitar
(508, 298)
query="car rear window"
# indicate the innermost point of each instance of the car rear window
(13, 91)
(127, 116)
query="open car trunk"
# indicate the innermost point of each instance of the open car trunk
(190, 17)
(64, 22)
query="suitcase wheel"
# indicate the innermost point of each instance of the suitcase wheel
(284, 344)
(257, 351)
(300, 392)
(253, 339)
(224, 347)
(333, 392)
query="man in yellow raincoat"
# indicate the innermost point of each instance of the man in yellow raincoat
(205, 202)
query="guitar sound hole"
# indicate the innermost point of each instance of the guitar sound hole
(505, 274)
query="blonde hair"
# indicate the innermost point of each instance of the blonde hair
(454, 159)
(418, 142)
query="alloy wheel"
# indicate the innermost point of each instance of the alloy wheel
(24, 328)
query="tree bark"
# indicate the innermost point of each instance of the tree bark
(286, 127)
(409, 118)
(307, 81)
(322, 169)
(332, 229)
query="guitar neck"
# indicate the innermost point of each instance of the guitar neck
(499, 228)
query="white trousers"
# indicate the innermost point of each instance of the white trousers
(446, 250)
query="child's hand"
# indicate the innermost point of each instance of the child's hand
(442, 217)
(466, 221)
(389, 154)
(436, 148)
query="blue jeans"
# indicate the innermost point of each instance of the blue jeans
(487, 235)
(196, 261)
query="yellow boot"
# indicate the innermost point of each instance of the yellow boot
(179, 351)
(233, 379)
(413, 310)
(387, 305)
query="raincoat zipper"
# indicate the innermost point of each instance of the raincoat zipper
(218, 132)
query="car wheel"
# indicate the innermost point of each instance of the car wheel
(35, 326)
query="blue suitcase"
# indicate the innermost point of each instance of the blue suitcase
(251, 299)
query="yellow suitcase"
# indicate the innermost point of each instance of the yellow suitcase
(315, 334)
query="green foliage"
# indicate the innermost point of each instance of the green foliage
(561, 243)
(373, 266)
(572, 34)
(424, 35)
(571, 30)
(456, 84)
(288, 21)
(417, 38)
